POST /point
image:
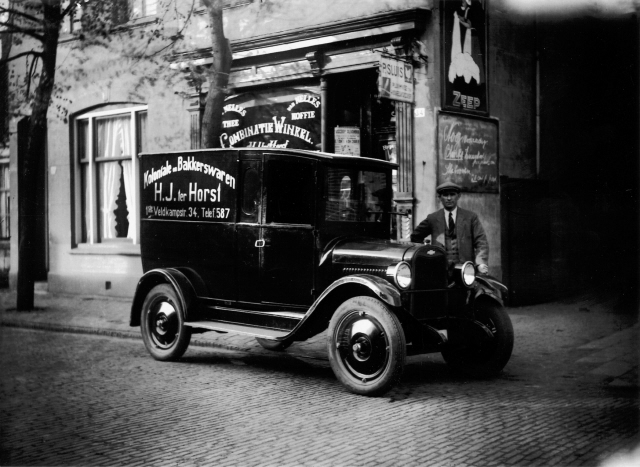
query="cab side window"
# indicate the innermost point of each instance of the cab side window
(251, 192)
(290, 192)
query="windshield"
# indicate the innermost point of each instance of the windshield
(356, 195)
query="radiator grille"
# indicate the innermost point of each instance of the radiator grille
(430, 272)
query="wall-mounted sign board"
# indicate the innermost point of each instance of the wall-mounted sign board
(468, 152)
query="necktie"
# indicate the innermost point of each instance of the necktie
(452, 226)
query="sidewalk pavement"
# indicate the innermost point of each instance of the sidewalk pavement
(602, 336)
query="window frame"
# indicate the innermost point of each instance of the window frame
(91, 117)
(4, 171)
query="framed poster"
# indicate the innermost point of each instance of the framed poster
(468, 152)
(464, 43)
(347, 140)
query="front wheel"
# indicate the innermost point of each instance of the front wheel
(162, 324)
(366, 346)
(488, 357)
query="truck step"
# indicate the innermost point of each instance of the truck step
(238, 329)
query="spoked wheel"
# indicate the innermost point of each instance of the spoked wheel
(276, 346)
(366, 346)
(488, 357)
(162, 322)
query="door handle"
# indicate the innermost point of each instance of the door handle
(260, 243)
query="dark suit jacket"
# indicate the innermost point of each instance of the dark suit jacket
(472, 241)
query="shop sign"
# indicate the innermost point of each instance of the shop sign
(468, 152)
(286, 118)
(395, 79)
(347, 140)
(464, 53)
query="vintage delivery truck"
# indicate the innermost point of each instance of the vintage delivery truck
(285, 244)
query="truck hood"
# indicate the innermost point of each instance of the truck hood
(370, 252)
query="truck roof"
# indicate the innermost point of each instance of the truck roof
(300, 152)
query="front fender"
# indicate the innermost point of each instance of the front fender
(183, 287)
(490, 287)
(317, 317)
(380, 287)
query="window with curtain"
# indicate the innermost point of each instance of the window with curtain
(106, 145)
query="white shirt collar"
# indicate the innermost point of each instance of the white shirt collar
(454, 213)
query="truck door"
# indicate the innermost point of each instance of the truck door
(288, 247)
(248, 236)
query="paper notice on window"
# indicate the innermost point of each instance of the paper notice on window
(347, 140)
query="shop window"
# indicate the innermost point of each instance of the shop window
(5, 224)
(281, 118)
(106, 143)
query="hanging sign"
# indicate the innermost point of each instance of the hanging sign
(395, 79)
(468, 152)
(347, 140)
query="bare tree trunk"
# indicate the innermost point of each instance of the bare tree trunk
(37, 139)
(218, 76)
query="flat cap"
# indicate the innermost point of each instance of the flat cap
(448, 186)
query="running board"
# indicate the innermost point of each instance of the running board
(281, 320)
(254, 331)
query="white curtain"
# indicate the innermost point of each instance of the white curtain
(114, 141)
(127, 169)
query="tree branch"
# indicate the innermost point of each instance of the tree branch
(22, 14)
(21, 54)
(13, 29)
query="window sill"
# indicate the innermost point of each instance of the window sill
(114, 248)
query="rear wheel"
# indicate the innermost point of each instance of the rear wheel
(366, 346)
(487, 357)
(162, 324)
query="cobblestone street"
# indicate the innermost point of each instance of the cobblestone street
(70, 399)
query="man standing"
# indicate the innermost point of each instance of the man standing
(457, 230)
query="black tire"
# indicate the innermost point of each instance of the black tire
(162, 324)
(488, 359)
(276, 346)
(366, 346)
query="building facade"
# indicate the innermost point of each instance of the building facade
(447, 89)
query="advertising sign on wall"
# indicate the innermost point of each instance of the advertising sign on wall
(285, 118)
(468, 152)
(189, 186)
(347, 140)
(395, 80)
(465, 55)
